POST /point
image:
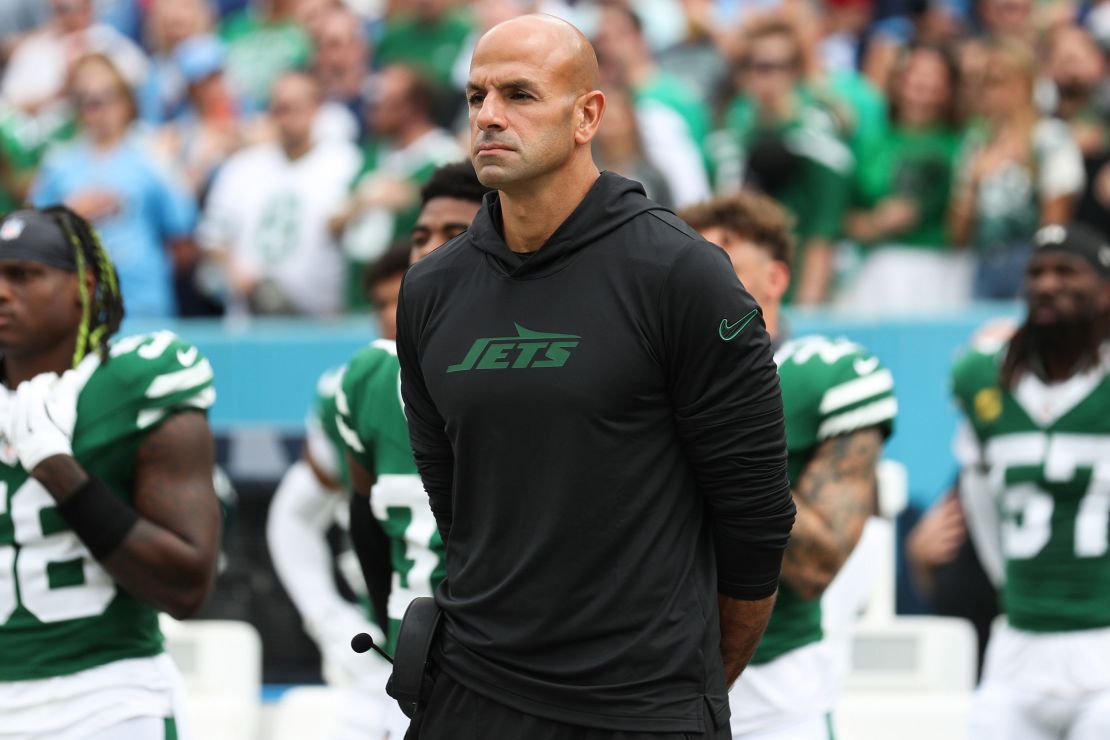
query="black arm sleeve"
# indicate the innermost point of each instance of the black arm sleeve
(725, 390)
(371, 545)
(431, 447)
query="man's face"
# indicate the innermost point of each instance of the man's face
(522, 113)
(39, 307)
(391, 110)
(1063, 290)
(339, 46)
(293, 108)
(72, 15)
(771, 68)
(617, 41)
(1008, 17)
(440, 220)
(752, 264)
(383, 297)
(103, 108)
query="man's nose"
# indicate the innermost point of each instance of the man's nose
(491, 113)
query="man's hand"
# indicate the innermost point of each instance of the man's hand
(41, 416)
(742, 625)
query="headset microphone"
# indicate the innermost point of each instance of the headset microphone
(363, 642)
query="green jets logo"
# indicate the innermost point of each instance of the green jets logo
(527, 349)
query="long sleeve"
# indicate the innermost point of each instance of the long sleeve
(432, 451)
(728, 407)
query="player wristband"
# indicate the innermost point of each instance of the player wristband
(100, 518)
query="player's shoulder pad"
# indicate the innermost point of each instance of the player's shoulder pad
(849, 385)
(369, 360)
(146, 377)
(977, 368)
(327, 385)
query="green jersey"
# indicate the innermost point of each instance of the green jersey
(374, 430)
(830, 387)
(1045, 449)
(816, 192)
(918, 166)
(60, 612)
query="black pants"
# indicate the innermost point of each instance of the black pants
(455, 712)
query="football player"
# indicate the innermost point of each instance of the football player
(107, 508)
(840, 409)
(348, 446)
(1034, 446)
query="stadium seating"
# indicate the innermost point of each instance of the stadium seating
(222, 665)
(911, 678)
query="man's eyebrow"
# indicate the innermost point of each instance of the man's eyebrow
(515, 84)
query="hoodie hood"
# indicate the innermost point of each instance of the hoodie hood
(612, 202)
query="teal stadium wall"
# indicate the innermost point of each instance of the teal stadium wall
(266, 371)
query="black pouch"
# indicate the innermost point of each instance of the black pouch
(409, 684)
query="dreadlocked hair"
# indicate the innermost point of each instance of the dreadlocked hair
(101, 310)
(1021, 349)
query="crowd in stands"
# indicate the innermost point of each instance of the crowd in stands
(253, 156)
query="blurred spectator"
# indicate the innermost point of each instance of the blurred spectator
(404, 147)
(339, 64)
(1077, 69)
(1018, 171)
(928, 22)
(311, 15)
(427, 34)
(673, 122)
(36, 74)
(18, 159)
(108, 176)
(696, 59)
(785, 140)
(619, 148)
(126, 16)
(205, 131)
(265, 221)
(169, 23)
(263, 41)
(17, 18)
(1012, 19)
(902, 196)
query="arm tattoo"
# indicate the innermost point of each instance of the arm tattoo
(835, 495)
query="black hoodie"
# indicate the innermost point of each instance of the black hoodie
(599, 428)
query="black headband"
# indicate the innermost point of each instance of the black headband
(1076, 239)
(34, 236)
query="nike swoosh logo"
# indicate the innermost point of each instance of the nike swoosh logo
(866, 366)
(729, 331)
(187, 356)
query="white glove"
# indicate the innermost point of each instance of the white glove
(41, 417)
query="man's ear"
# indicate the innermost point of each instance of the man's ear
(591, 108)
(778, 278)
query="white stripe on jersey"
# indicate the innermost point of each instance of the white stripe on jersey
(180, 380)
(856, 390)
(865, 416)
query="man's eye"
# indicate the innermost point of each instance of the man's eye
(419, 240)
(474, 99)
(520, 96)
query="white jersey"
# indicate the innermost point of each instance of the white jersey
(82, 704)
(271, 215)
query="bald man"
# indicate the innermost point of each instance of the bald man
(596, 417)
